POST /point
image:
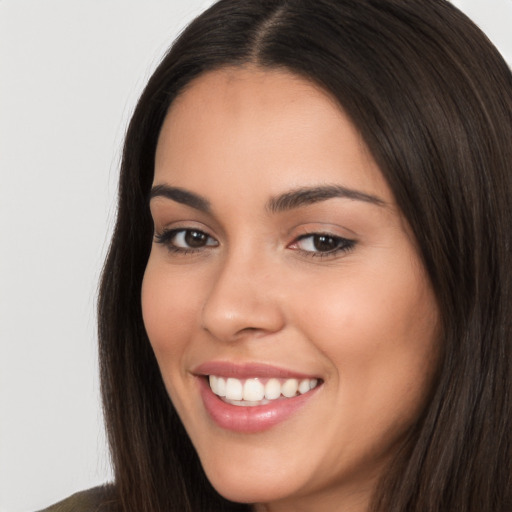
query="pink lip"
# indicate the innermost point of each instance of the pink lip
(247, 370)
(249, 419)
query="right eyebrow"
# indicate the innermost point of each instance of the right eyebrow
(181, 196)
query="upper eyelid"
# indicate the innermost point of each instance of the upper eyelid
(168, 231)
(163, 225)
(325, 223)
(163, 221)
(206, 231)
(323, 233)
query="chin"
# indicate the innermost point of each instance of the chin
(253, 483)
(240, 489)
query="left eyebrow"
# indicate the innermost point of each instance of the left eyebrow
(309, 195)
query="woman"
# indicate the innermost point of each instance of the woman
(306, 304)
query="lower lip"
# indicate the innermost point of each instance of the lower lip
(251, 419)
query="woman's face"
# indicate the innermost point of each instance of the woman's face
(282, 271)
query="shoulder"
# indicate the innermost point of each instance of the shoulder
(98, 499)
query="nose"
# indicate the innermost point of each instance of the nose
(243, 300)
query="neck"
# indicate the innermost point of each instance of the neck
(327, 501)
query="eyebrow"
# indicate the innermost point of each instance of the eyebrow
(182, 196)
(288, 201)
(309, 195)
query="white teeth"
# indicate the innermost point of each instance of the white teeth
(221, 386)
(304, 386)
(218, 385)
(272, 389)
(251, 392)
(234, 389)
(254, 391)
(290, 388)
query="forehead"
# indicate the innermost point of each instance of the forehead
(263, 122)
(265, 86)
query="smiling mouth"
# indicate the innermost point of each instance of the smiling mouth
(256, 391)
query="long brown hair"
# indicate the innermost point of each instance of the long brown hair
(432, 99)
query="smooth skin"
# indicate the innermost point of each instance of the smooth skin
(330, 286)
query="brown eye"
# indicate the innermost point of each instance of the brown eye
(183, 240)
(322, 244)
(325, 243)
(195, 239)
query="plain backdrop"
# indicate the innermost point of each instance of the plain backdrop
(70, 73)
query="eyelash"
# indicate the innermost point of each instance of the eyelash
(167, 235)
(343, 245)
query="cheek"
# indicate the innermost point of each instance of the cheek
(368, 313)
(380, 332)
(169, 310)
(170, 305)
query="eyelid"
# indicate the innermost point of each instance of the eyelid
(343, 244)
(171, 215)
(166, 236)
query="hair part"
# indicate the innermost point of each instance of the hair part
(432, 99)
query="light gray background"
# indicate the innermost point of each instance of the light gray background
(70, 73)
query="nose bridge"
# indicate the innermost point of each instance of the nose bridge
(242, 297)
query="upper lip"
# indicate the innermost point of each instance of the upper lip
(248, 370)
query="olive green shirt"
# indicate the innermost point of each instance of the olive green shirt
(99, 499)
